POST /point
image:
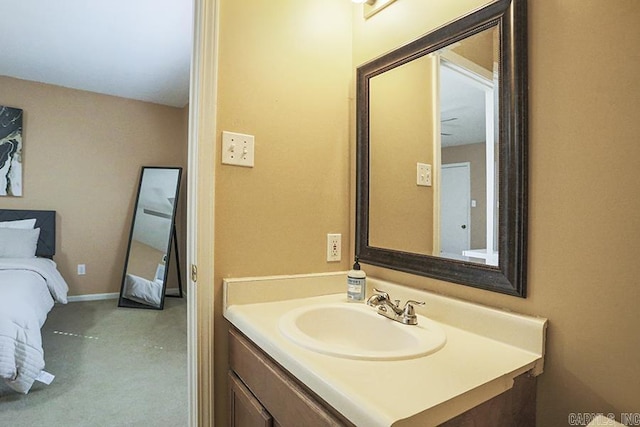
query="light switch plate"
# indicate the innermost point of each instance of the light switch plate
(238, 149)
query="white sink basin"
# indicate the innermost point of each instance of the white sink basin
(356, 331)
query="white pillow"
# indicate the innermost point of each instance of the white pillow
(18, 242)
(142, 290)
(20, 223)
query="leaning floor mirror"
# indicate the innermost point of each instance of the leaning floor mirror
(144, 280)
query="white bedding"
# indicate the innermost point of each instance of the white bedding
(28, 289)
(141, 290)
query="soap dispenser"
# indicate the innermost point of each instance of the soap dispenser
(356, 283)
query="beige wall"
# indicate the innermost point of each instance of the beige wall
(402, 22)
(146, 260)
(284, 76)
(479, 48)
(401, 134)
(583, 223)
(82, 158)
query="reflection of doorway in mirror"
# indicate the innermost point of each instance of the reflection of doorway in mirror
(455, 209)
(468, 123)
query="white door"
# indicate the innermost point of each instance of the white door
(455, 205)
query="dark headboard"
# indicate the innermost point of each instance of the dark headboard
(45, 221)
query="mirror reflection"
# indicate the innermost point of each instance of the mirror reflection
(433, 153)
(152, 232)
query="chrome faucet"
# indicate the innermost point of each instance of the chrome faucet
(392, 310)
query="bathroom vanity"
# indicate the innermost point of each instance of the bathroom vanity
(262, 393)
(484, 373)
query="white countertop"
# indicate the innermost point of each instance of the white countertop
(485, 350)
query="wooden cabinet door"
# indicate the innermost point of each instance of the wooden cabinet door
(244, 409)
(282, 396)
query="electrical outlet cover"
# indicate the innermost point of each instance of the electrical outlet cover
(334, 247)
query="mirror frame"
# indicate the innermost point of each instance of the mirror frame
(509, 277)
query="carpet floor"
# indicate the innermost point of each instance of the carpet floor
(113, 367)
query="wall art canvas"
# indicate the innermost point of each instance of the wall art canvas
(10, 151)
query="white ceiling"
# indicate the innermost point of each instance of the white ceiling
(138, 49)
(462, 108)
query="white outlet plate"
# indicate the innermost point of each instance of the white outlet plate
(423, 175)
(334, 247)
(238, 149)
(82, 270)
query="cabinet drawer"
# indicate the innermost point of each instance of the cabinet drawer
(286, 400)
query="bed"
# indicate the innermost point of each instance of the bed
(30, 284)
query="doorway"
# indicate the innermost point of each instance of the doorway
(455, 209)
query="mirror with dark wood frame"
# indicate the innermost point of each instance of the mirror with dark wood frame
(144, 280)
(441, 153)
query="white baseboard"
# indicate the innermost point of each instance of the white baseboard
(114, 295)
(93, 297)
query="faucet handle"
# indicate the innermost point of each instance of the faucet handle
(409, 314)
(414, 302)
(408, 306)
(382, 294)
